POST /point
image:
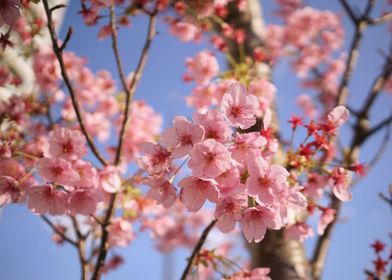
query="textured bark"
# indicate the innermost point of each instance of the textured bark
(286, 258)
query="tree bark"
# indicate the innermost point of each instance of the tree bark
(286, 258)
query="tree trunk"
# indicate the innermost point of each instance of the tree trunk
(286, 258)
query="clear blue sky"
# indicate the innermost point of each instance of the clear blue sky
(26, 248)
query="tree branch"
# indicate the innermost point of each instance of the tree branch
(384, 18)
(196, 250)
(349, 11)
(137, 75)
(59, 232)
(59, 54)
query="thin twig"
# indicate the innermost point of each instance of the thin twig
(197, 248)
(349, 11)
(136, 76)
(382, 19)
(59, 232)
(379, 126)
(59, 54)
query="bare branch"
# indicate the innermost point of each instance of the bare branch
(59, 54)
(384, 18)
(67, 38)
(136, 77)
(59, 232)
(56, 7)
(349, 11)
(196, 250)
(381, 125)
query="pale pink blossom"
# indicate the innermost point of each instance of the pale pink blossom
(266, 181)
(214, 124)
(340, 184)
(185, 31)
(46, 199)
(110, 180)
(9, 190)
(57, 170)
(229, 211)
(299, 232)
(69, 144)
(162, 191)
(87, 174)
(82, 201)
(247, 146)
(265, 92)
(203, 67)
(120, 232)
(156, 159)
(338, 116)
(229, 182)
(307, 105)
(326, 218)
(195, 191)
(209, 159)
(239, 107)
(182, 136)
(255, 222)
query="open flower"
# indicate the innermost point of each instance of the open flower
(239, 107)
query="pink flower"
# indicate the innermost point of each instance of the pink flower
(57, 170)
(229, 182)
(228, 211)
(326, 218)
(266, 180)
(65, 143)
(239, 107)
(156, 158)
(162, 191)
(255, 222)
(247, 146)
(195, 191)
(265, 92)
(182, 136)
(45, 199)
(82, 201)
(120, 233)
(209, 159)
(214, 124)
(9, 190)
(203, 67)
(110, 180)
(338, 116)
(340, 184)
(87, 174)
(185, 31)
(299, 232)
(9, 12)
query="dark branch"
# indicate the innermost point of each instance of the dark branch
(135, 79)
(67, 38)
(196, 250)
(349, 11)
(59, 54)
(59, 232)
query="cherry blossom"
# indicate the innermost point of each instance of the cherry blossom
(214, 124)
(9, 190)
(203, 67)
(239, 107)
(266, 180)
(162, 191)
(65, 143)
(195, 191)
(46, 199)
(209, 159)
(182, 136)
(57, 170)
(255, 222)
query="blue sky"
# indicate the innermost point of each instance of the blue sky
(26, 248)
